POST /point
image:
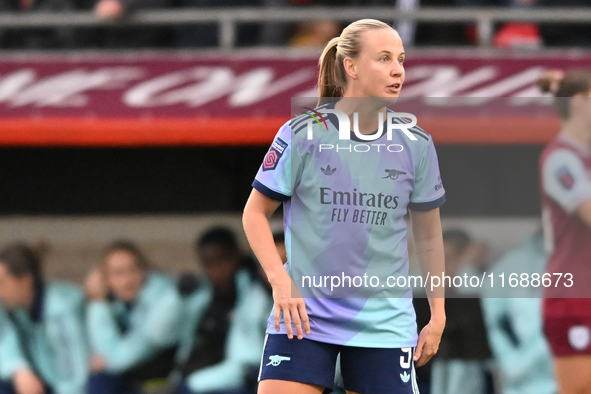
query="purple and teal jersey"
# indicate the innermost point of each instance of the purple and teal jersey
(345, 203)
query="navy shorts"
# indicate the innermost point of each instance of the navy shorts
(364, 370)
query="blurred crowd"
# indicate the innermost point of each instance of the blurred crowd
(313, 34)
(135, 329)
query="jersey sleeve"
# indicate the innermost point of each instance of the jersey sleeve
(12, 357)
(565, 180)
(275, 178)
(154, 329)
(428, 192)
(70, 353)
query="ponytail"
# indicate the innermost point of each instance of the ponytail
(330, 83)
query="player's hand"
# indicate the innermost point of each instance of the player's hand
(294, 309)
(429, 339)
(109, 9)
(97, 364)
(95, 285)
(26, 382)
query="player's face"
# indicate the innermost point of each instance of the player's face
(13, 289)
(219, 265)
(124, 277)
(379, 66)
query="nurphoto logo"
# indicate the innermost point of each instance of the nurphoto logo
(345, 124)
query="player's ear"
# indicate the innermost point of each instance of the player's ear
(350, 67)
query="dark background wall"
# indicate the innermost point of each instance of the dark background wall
(480, 180)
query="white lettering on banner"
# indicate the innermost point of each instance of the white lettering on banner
(465, 82)
(505, 86)
(198, 86)
(258, 85)
(445, 81)
(311, 92)
(428, 78)
(65, 89)
(141, 95)
(215, 82)
(12, 84)
(247, 89)
(511, 84)
(418, 73)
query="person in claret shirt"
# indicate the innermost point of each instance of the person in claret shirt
(344, 212)
(565, 167)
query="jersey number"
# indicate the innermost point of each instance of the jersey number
(405, 360)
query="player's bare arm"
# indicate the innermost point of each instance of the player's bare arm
(427, 234)
(257, 212)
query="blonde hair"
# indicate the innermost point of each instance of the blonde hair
(332, 77)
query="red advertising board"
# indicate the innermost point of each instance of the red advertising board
(237, 98)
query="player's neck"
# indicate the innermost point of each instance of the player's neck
(28, 301)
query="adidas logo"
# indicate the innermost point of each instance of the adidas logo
(405, 377)
(328, 170)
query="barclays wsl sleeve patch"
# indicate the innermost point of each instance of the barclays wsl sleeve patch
(274, 154)
(566, 179)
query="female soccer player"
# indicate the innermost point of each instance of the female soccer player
(344, 214)
(132, 322)
(565, 167)
(42, 341)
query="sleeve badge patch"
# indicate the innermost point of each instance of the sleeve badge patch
(274, 154)
(565, 178)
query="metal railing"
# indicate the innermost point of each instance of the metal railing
(228, 18)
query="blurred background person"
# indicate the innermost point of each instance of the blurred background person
(117, 9)
(496, 3)
(40, 38)
(461, 364)
(565, 172)
(463, 256)
(42, 342)
(311, 33)
(132, 320)
(566, 35)
(208, 35)
(216, 342)
(513, 319)
(314, 34)
(121, 35)
(510, 35)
